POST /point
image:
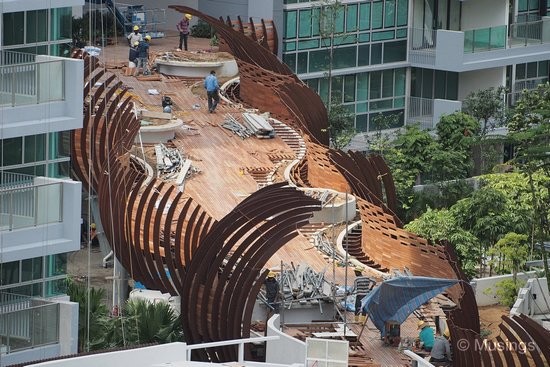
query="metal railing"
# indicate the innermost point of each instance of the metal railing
(11, 180)
(27, 322)
(424, 41)
(523, 85)
(527, 33)
(13, 57)
(421, 111)
(31, 83)
(30, 206)
(485, 39)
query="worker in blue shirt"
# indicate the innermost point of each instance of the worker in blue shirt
(143, 56)
(426, 336)
(212, 87)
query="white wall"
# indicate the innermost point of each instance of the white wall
(9, 6)
(286, 350)
(472, 81)
(51, 238)
(533, 298)
(484, 288)
(68, 327)
(483, 14)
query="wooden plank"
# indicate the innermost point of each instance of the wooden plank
(183, 172)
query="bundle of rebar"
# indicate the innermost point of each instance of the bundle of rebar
(231, 123)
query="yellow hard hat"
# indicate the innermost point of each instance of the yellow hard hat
(188, 16)
(271, 274)
(136, 28)
(446, 333)
(92, 226)
(147, 38)
(421, 324)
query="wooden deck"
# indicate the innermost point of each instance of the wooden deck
(222, 183)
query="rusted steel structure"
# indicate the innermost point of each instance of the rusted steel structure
(216, 265)
(263, 33)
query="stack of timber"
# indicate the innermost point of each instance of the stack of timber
(259, 125)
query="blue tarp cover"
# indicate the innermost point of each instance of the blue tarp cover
(395, 299)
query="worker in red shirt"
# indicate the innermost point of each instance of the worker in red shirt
(183, 28)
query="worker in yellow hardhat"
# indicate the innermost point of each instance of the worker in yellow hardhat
(272, 290)
(134, 36)
(425, 336)
(143, 56)
(183, 28)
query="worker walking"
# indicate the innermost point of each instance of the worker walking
(183, 28)
(212, 87)
(134, 37)
(143, 56)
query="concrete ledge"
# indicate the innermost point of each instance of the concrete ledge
(159, 133)
(197, 69)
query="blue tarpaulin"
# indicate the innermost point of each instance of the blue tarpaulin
(395, 299)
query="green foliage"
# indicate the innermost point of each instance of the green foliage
(201, 30)
(438, 225)
(140, 322)
(507, 291)
(457, 132)
(486, 106)
(103, 24)
(90, 310)
(340, 125)
(512, 252)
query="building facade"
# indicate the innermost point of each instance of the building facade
(40, 206)
(416, 59)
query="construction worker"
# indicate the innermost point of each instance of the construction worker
(212, 87)
(143, 56)
(425, 336)
(94, 241)
(272, 290)
(183, 28)
(441, 351)
(361, 287)
(133, 55)
(134, 37)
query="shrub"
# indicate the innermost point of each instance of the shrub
(507, 291)
(201, 30)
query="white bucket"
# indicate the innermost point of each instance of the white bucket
(131, 64)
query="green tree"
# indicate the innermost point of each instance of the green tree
(487, 106)
(90, 310)
(512, 252)
(457, 131)
(438, 225)
(484, 215)
(529, 128)
(340, 125)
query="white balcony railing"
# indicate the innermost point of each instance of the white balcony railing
(27, 322)
(30, 82)
(421, 110)
(23, 204)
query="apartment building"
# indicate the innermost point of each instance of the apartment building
(415, 58)
(40, 210)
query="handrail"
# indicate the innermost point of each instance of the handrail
(21, 83)
(19, 206)
(239, 342)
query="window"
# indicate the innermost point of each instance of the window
(364, 17)
(389, 14)
(363, 55)
(56, 265)
(304, 25)
(9, 273)
(31, 269)
(12, 151)
(37, 26)
(362, 86)
(318, 60)
(351, 18)
(35, 148)
(344, 57)
(377, 14)
(290, 24)
(395, 51)
(61, 27)
(290, 60)
(402, 12)
(349, 88)
(387, 83)
(13, 29)
(376, 54)
(375, 85)
(301, 64)
(337, 84)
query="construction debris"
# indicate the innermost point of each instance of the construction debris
(230, 123)
(258, 125)
(302, 285)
